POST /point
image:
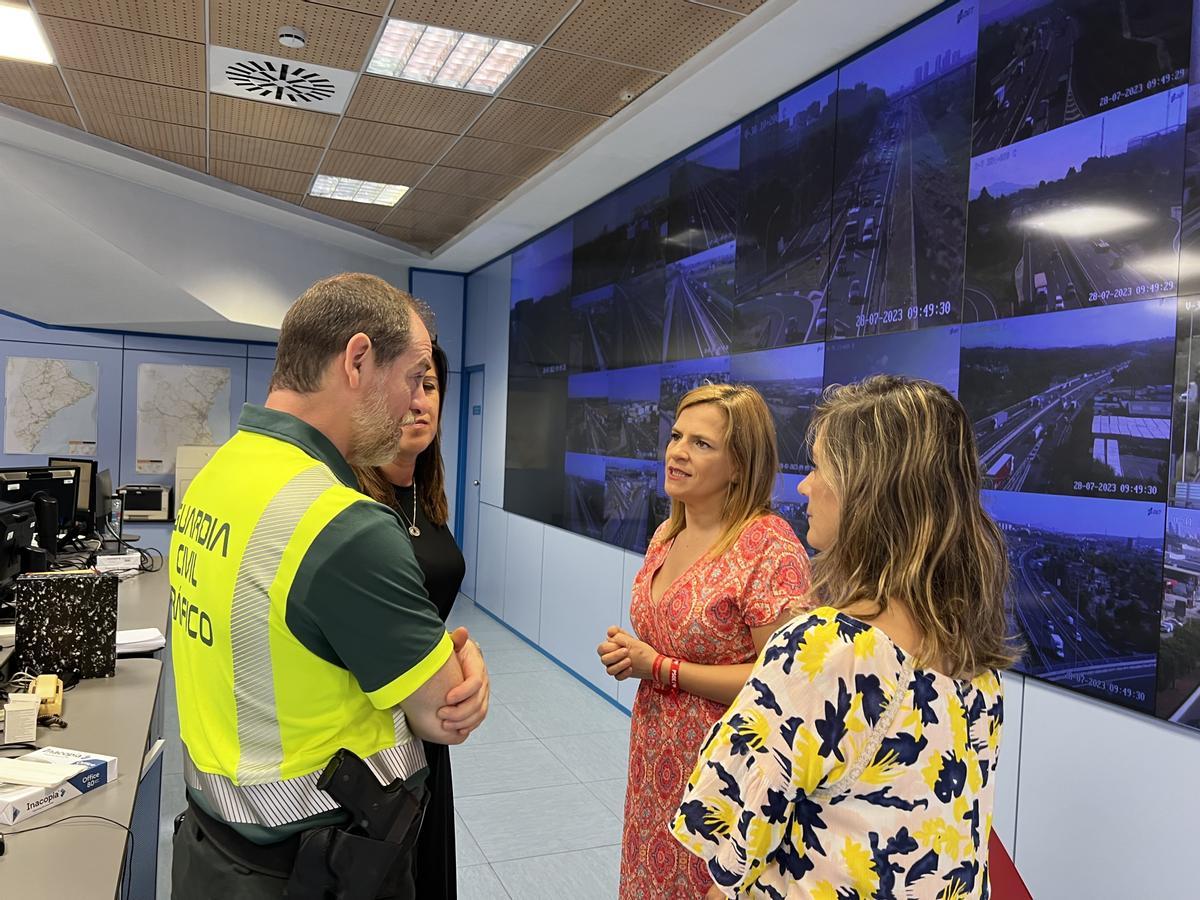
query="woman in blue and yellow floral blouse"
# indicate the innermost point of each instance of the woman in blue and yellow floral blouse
(859, 760)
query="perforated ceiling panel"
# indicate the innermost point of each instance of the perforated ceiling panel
(552, 78)
(274, 122)
(501, 159)
(452, 204)
(127, 54)
(339, 38)
(182, 19)
(669, 32)
(534, 126)
(145, 134)
(416, 105)
(419, 218)
(30, 81)
(472, 184)
(192, 162)
(372, 168)
(64, 114)
(363, 213)
(103, 93)
(261, 177)
(529, 21)
(255, 151)
(392, 141)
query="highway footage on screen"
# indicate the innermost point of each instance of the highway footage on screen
(1003, 198)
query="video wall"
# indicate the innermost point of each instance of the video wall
(1003, 198)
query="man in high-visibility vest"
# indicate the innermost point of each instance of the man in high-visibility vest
(300, 622)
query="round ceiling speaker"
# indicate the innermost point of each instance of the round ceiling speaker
(292, 37)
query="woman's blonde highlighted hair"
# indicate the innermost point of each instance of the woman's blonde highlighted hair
(750, 440)
(899, 454)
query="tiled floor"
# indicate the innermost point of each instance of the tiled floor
(539, 788)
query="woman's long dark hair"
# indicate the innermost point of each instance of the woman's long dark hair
(429, 474)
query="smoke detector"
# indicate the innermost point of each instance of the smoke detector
(292, 37)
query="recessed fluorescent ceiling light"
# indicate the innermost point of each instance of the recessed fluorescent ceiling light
(357, 191)
(20, 35)
(447, 58)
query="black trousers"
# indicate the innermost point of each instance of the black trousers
(214, 861)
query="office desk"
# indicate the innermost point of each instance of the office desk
(82, 858)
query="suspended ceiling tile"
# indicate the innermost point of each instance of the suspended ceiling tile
(103, 93)
(372, 168)
(534, 126)
(265, 120)
(501, 159)
(357, 213)
(745, 7)
(340, 38)
(416, 105)
(126, 54)
(183, 19)
(145, 134)
(32, 81)
(261, 177)
(374, 7)
(654, 34)
(393, 141)
(284, 195)
(472, 184)
(594, 86)
(183, 159)
(64, 114)
(529, 21)
(451, 204)
(420, 219)
(241, 148)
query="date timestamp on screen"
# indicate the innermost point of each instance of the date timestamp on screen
(905, 314)
(1125, 293)
(1113, 487)
(1109, 687)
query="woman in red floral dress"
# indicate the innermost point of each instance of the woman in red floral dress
(721, 574)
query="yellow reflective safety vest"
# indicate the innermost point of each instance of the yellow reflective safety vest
(260, 714)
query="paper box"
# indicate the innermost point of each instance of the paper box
(19, 802)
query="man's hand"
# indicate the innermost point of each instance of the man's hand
(714, 893)
(467, 705)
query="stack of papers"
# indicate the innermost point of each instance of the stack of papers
(139, 640)
(36, 773)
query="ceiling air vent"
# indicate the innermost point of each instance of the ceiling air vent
(285, 82)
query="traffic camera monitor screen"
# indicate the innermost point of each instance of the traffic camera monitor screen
(1002, 198)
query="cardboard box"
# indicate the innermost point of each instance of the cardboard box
(19, 802)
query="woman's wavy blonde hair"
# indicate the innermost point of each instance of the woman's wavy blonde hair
(899, 454)
(750, 439)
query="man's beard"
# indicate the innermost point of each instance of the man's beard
(377, 432)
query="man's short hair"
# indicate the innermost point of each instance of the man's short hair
(321, 322)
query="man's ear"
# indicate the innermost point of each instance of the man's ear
(358, 351)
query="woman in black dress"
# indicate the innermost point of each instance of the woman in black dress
(414, 485)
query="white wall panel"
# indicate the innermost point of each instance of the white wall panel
(523, 576)
(1009, 772)
(487, 346)
(1107, 804)
(632, 565)
(493, 547)
(582, 580)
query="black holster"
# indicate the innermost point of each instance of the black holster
(357, 860)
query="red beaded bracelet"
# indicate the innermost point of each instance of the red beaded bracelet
(675, 663)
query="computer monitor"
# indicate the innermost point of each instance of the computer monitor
(16, 534)
(85, 514)
(104, 501)
(60, 482)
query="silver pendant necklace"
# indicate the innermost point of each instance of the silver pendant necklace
(412, 526)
